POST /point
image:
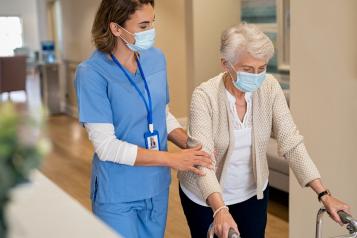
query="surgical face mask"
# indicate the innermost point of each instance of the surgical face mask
(143, 40)
(248, 82)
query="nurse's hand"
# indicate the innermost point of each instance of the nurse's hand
(189, 159)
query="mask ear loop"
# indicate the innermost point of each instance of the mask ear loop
(125, 41)
(231, 65)
(125, 29)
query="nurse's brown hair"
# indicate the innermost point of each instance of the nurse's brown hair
(118, 11)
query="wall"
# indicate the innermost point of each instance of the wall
(324, 104)
(207, 20)
(189, 34)
(27, 9)
(43, 26)
(77, 20)
(171, 35)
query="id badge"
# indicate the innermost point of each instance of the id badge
(152, 140)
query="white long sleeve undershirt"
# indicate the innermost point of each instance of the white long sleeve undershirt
(109, 148)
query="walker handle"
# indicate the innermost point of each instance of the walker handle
(348, 219)
(233, 234)
(345, 217)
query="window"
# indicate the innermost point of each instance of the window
(10, 35)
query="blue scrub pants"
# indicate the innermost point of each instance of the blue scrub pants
(137, 219)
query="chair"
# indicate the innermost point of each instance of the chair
(12, 74)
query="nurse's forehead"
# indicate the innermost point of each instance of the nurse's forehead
(143, 15)
(147, 21)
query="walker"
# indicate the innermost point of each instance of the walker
(345, 218)
(351, 226)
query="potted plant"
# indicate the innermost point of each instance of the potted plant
(21, 148)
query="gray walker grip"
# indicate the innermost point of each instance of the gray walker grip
(345, 218)
(231, 234)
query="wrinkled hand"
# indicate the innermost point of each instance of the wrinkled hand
(223, 221)
(189, 159)
(333, 205)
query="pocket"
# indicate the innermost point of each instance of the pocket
(94, 189)
(160, 206)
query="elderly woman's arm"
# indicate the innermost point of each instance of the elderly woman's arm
(200, 132)
(291, 146)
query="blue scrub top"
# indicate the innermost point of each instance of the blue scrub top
(105, 95)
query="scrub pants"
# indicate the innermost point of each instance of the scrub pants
(250, 216)
(137, 219)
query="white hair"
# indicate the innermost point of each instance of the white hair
(245, 38)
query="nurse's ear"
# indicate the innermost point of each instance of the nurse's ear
(115, 29)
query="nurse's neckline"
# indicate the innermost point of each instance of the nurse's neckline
(136, 54)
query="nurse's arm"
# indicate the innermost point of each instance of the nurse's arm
(109, 148)
(183, 160)
(176, 134)
(179, 137)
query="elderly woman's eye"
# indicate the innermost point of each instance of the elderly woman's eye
(248, 70)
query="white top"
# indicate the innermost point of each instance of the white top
(239, 182)
(109, 148)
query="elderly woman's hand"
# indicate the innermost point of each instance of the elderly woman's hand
(333, 205)
(223, 221)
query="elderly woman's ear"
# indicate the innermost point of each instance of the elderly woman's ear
(225, 65)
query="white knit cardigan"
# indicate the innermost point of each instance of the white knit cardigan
(211, 125)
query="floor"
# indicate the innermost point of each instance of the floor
(69, 164)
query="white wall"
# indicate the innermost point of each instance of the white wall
(324, 104)
(27, 9)
(189, 34)
(207, 20)
(171, 39)
(77, 20)
(43, 20)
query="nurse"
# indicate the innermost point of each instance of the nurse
(122, 96)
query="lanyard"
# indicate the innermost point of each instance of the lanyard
(147, 105)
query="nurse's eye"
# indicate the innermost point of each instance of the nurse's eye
(145, 25)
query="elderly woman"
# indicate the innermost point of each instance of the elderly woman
(233, 115)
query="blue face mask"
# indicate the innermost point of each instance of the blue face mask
(143, 40)
(248, 82)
